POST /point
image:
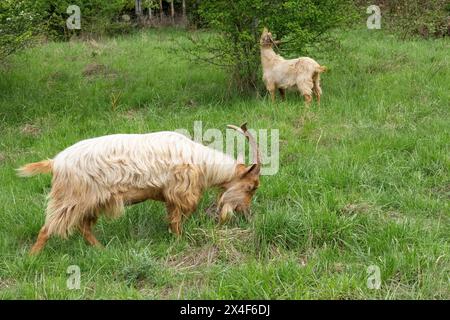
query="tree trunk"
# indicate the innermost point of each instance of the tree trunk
(172, 12)
(183, 4)
(160, 10)
(150, 3)
(138, 10)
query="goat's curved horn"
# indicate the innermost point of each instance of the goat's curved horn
(251, 140)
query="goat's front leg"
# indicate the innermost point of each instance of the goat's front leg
(271, 88)
(272, 95)
(182, 194)
(176, 215)
(175, 218)
(85, 228)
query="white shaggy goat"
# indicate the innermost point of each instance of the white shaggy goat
(104, 174)
(281, 74)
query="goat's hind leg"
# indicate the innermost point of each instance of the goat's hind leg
(316, 87)
(308, 99)
(42, 239)
(306, 88)
(317, 97)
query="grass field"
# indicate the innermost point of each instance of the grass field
(364, 177)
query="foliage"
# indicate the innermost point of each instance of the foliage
(426, 18)
(299, 23)
(97, 16)
(18, 23)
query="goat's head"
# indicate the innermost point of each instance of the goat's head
(238, 193)
(266, 40)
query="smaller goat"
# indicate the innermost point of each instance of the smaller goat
(104, 174)
(281, 74)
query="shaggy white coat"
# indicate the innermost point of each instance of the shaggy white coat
(105, 173)
(141, 160)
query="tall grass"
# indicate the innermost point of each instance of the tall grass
(363, 180)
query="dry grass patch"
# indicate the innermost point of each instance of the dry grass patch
(356, 208)
(31, 130)
(227, 244)
(98, 69)
(194, 258)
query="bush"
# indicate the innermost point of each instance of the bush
(96, 16)
(426, 18)
(299, 23)
(18, 23)
(414, 17)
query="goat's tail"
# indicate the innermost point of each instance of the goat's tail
(35, 168)
(321, 69)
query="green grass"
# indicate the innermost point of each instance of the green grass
(363, 180)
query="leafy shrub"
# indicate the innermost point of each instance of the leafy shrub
(426, 18)
(299, 23)
(414, 17)
(96, 16)
(18, 23)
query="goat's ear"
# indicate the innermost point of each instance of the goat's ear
(253, 169)
(265, 30)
